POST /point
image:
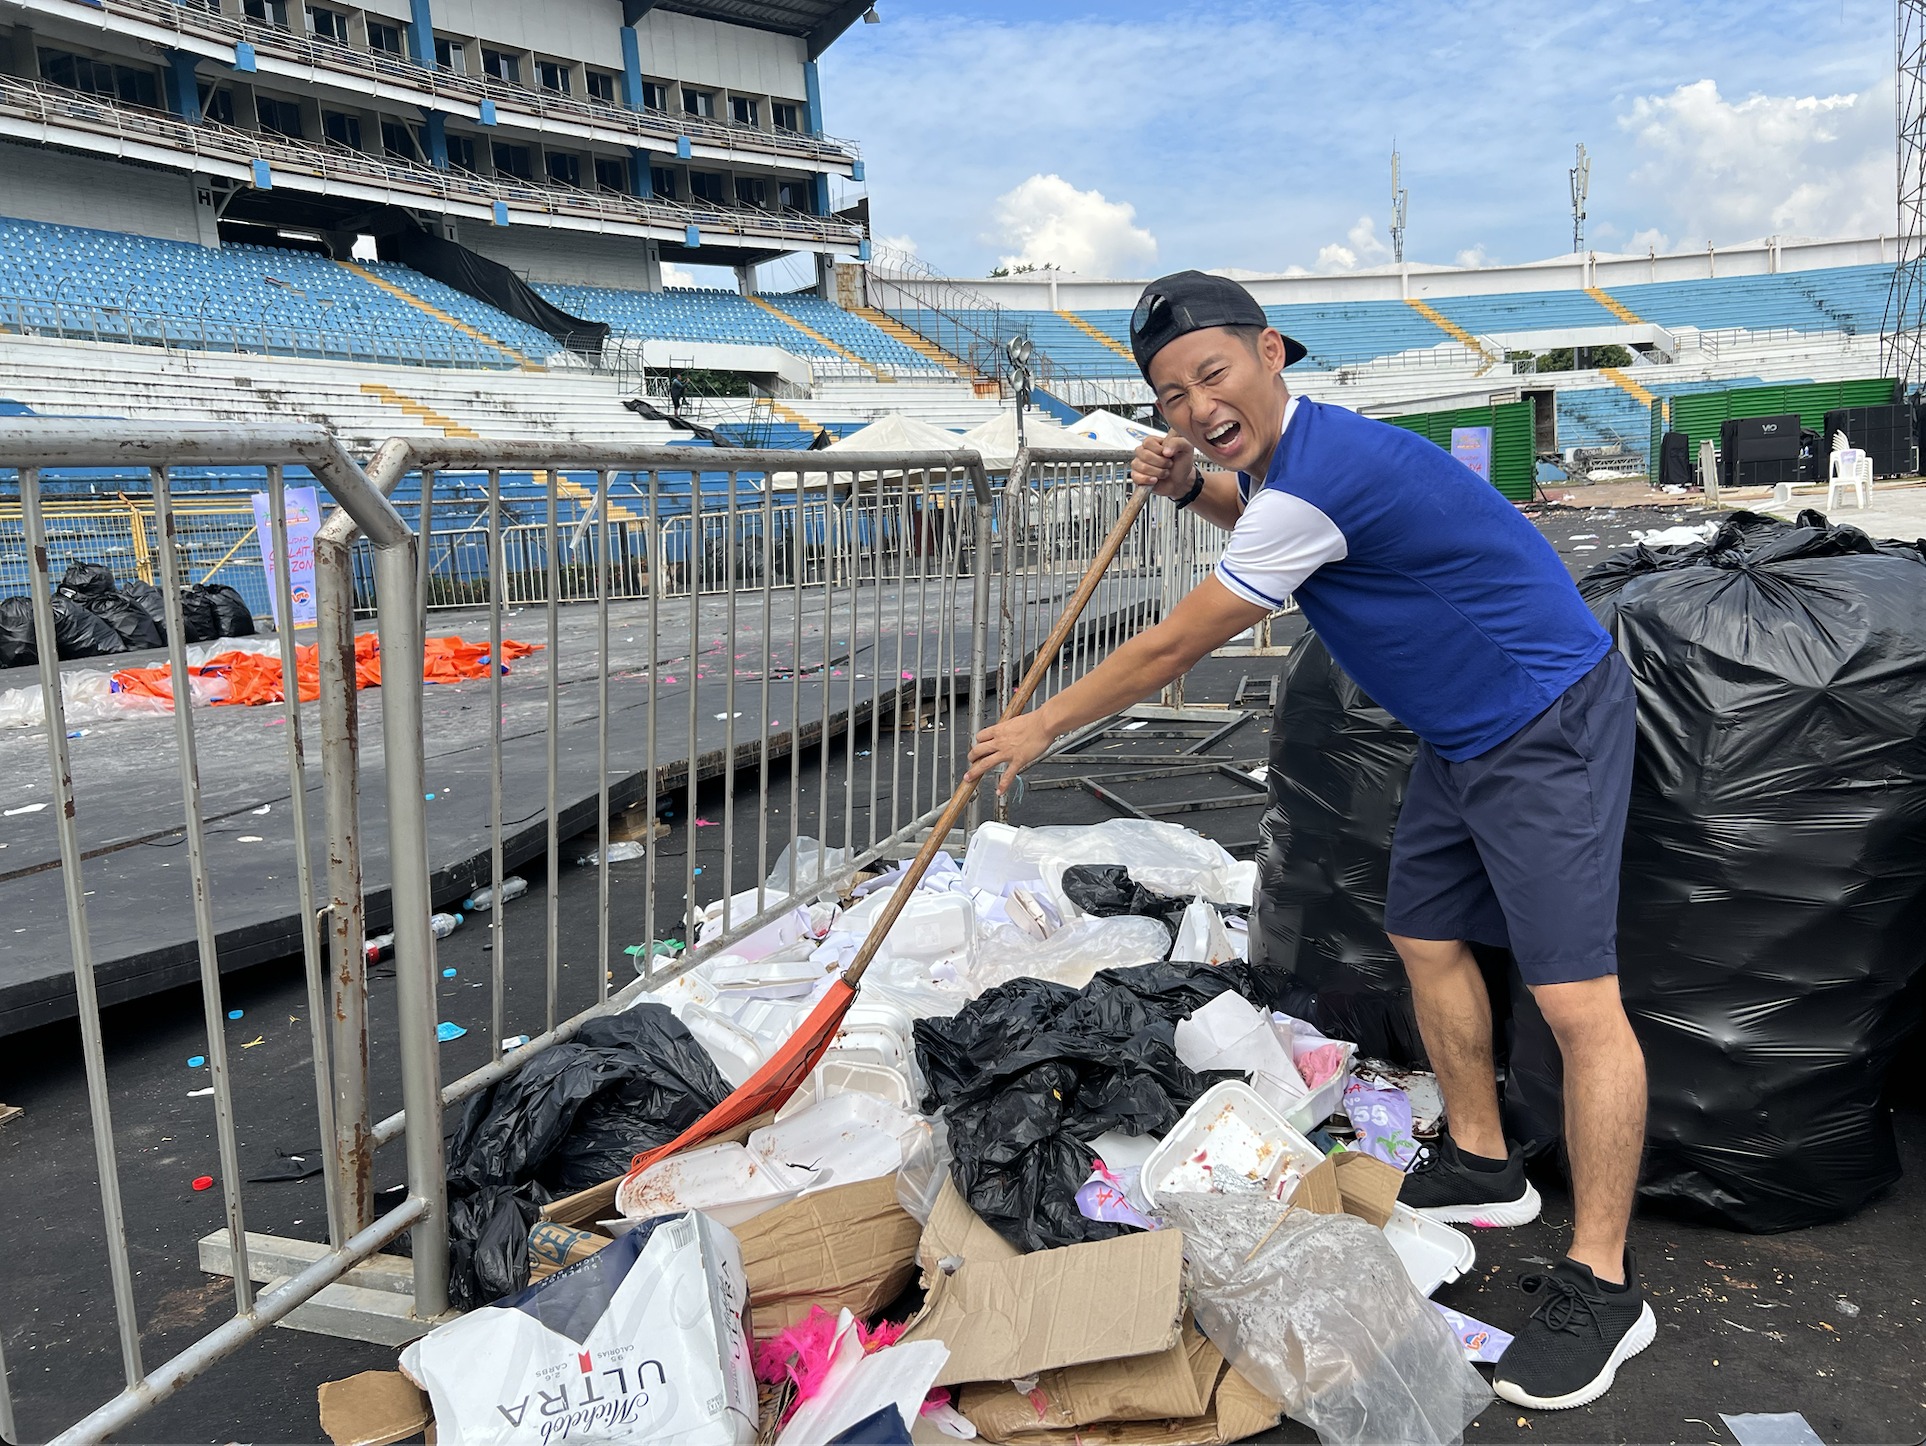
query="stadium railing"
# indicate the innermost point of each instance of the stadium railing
(944, 577)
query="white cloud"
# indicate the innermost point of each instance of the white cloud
(1725, 171)
(1651, 239)
(1474, 256)
(1362, 246)
(673, 275)
(905, 244)
(1050, 222)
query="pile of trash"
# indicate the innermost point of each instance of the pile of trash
(1066, 1168)
(94, 616)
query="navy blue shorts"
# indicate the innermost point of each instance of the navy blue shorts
(1519, 847)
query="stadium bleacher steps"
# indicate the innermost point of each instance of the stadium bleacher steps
(447, 426)
(1099, 335)
(576, 492)
(1625, 383)
(788, 414)
(471, 332)
(919, 343)
(809, 331)
(1612, 304)
(1456, 332)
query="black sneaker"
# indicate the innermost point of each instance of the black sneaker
(1576, 1340)
(1440, 1184)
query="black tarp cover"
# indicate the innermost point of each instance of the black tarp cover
(455, 265)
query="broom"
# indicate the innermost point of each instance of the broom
(770, 1087)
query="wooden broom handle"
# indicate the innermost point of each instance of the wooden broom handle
(1026, 690)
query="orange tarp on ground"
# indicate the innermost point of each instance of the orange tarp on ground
(256, 677)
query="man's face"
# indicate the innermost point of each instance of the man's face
(1221, 395)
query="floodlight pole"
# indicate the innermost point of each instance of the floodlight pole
(1902, 334)
(1400, 200)
(1581, 178)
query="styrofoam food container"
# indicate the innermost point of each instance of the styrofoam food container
(1307, 1112)
(736, 1052)
(1432, 1252)
(776, 978)
(839, 1077)
(852, 1136)
(725, 1182)
(1232, 1117)
(1120, 1151)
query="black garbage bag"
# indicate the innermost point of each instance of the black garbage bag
(84, 580)
(17, 646)
(200, 617)
(79, 634)
(1032, 1071)
(231, 610)
(1772, 927)
(1107, 891)
(127, 618)
(1338, 769)
(148, 598)
(572, 1117)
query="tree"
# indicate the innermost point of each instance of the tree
(1561, 359)
(1024, 268)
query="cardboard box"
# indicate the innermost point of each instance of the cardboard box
(1368, 1185)
(374, 1408)
(553, 1247)
(850, 1248)
(1238, 1411)
(1005, 1315)
(1176, 1383)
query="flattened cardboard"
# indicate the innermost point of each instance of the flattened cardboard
(1237, 1412)
(1175, 1384)
(553, 1247)
(1318, 1191)
(954, 1229)
(848, 1248)
(1003, 1319)
(374, 1408)
(1368, 1185)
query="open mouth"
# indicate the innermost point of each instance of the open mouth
(1223, 437)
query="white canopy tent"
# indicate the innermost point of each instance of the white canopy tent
(996, 439)
(1111, 430)
(892, 433)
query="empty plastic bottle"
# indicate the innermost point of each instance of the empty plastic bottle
(483, 899)
(442, 925)
(380, 947)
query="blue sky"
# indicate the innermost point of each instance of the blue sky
(1131, 138)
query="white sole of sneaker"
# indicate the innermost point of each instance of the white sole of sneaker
(1641, 1335)
(1511, 1212)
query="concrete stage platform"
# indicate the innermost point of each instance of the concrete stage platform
(139, 898)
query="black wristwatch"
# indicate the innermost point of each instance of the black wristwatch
(1196, 490)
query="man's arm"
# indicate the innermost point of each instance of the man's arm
(1220, 501)
(1167, 465)
(1207, 618)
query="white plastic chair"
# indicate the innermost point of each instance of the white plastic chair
(1848, 470)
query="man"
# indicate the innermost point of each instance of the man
(1450, 610)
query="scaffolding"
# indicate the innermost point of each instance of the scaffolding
(1903, 332)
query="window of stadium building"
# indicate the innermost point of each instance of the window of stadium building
(217, 104)
(751, 191)
(267, 12)
(399, 142)
(461, 154)
(99, 77)
(601, 85)
(502, 65)
(342, 129)
(451, 55)
(513, 161)
(564, 168)
(655, 95)
(786, 114)
(744, 111)
(553, 75)
(328, 24)
(699, 102)
(609, 176)
(792, 195)
(385, 39)
(282, 117)
(662, 182)
(706, 186)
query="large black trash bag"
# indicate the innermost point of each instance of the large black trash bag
(17, 646)
(1107, 891)
(1032, 1071)
(79, 634)
(84, 580)
(91, 584)
(230, 611)
(1773, 908)
(200, 618)
(572, 1117)
(1338, 769)
(148, 598)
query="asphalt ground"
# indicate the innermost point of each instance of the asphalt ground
(1825, 1321)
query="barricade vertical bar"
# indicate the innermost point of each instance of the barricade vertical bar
(602, 732)
(213, 1014)
(879, 549)
(425, 542)
(9, 1431)
(796, 663)
(730, 555)
(658, 574)
(554, 588)
(979, 616)
(79, 937)
(338, 1227)
(347, 917)
(498, 916)
(698, 563)
(768, 661)
(904, 522)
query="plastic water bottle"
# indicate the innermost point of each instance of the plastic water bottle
(483, 899)
(442, 925)
(380, 947)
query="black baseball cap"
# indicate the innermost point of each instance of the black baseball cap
(1187, 301)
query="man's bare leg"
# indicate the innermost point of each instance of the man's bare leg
(1604, 1114)
(1454, 1016)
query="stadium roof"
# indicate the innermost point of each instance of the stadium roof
(817, 21)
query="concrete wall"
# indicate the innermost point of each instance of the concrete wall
(586, 30)
(37, 184)
(706, 52)
(1561, 273)
(571, 258)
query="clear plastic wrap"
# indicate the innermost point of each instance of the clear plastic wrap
(1317, 1312)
